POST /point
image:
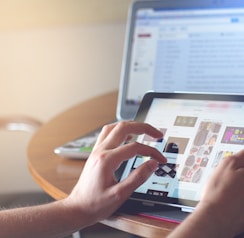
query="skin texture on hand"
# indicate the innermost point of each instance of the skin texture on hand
(224, 193)
(220, 213)
(101, 194)
(96, 195)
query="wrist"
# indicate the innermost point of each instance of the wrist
(203, 222)
(218, 224)
(75, 212)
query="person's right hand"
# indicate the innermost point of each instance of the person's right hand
(224, 194)
(98, 194)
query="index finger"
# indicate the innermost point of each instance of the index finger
(104, 133)
(122, 129)
(238, 159)
(136, 178)
(127, 151)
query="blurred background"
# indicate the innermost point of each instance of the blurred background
(53, 55)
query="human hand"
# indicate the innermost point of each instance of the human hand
(97, 193)
(224, 195)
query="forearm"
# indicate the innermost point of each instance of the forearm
(49, 220)
(202, 223)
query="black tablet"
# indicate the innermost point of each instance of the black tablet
(199, 131)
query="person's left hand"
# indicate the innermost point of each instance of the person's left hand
(97, 193)
(223, 195)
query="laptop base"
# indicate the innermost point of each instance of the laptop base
(161, 212)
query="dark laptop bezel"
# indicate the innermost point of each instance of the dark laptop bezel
(127, 111)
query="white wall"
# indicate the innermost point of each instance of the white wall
(44, 71)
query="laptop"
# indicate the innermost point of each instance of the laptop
(200, 130)
(176, 46)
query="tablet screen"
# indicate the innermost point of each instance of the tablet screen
(199, 131)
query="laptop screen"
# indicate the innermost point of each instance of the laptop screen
(182, 45)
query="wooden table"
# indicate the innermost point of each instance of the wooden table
(57, 176)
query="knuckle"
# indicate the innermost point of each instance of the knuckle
(231, 161)
(100, 156)
(141, 146)
(135, 145)
(122, 125)
(118, 194)
(142, 175)
(106, 128)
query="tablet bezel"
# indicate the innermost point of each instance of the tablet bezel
(150, 200)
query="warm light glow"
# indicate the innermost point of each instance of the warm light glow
(43, 13)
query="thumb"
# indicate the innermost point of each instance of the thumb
(137, 177)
